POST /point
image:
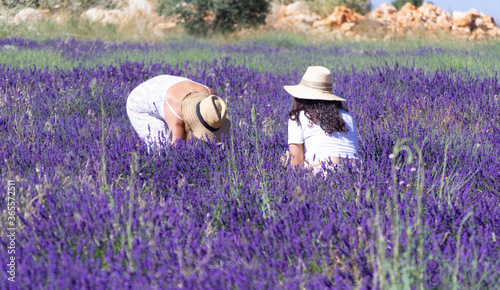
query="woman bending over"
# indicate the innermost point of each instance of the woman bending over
(168, 108)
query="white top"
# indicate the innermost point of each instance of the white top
(160, 86)
(318, 145)
(173, 112)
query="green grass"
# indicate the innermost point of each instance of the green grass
(479, 58)
(75, 28)
(167, 56)
(24, 58)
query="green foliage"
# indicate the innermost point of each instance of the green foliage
(202, 17)
(400, 3)
(71, 5)
(460, 54)
(326, 7)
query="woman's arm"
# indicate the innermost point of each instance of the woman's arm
(178, 131)
(296, 155)
(175, 125)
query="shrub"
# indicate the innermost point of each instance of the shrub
(400, 3)
(208, 16)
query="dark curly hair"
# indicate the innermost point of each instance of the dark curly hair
(326, 114)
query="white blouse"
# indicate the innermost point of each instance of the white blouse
(318, 145)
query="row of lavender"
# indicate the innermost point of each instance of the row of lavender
(95, 210)
(277, 55)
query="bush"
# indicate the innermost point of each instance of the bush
(208, 16)
(400, 3)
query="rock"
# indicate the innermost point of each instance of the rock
(281, 12)
(115, 16)
(474, 13)
(487, 22)
(339, 16)
(303, 18)
(296, 16)
(93, 14)
(300, 22)
(29, 16)
(478, 22)
(277, 14)
(143, 6)
(386, 14)
(385, 20)
(434, 18)
(408, 7)
(376, 14)
(493, 32)
(409, 15)
(461, 30)
(462, 19)
(346, 26)
(388, 8)
(444, 21)
(299, 7)
(478, 32)
(429, 11)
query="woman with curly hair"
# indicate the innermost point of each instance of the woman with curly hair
(320, 129)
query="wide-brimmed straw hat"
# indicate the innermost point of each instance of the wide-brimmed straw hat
(205, 115)
(316, 84)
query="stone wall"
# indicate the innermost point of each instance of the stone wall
(385, 21)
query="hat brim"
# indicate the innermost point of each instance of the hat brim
(188, 109)
(303, 92)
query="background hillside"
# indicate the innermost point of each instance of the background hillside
(140, 19)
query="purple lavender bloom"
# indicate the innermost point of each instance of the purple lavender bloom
(94, 209)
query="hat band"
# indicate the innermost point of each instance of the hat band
(317, 85)
(202, 121)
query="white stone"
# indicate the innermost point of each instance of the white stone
(299, 7)
(93, 14)
(388, 8)
(302, 18)
(141, 5)
(346, 26)
(114, 16)
(27, 15)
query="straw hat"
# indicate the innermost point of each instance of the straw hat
(205, 115)
(316, 84)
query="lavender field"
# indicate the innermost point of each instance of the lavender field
(92, 209)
